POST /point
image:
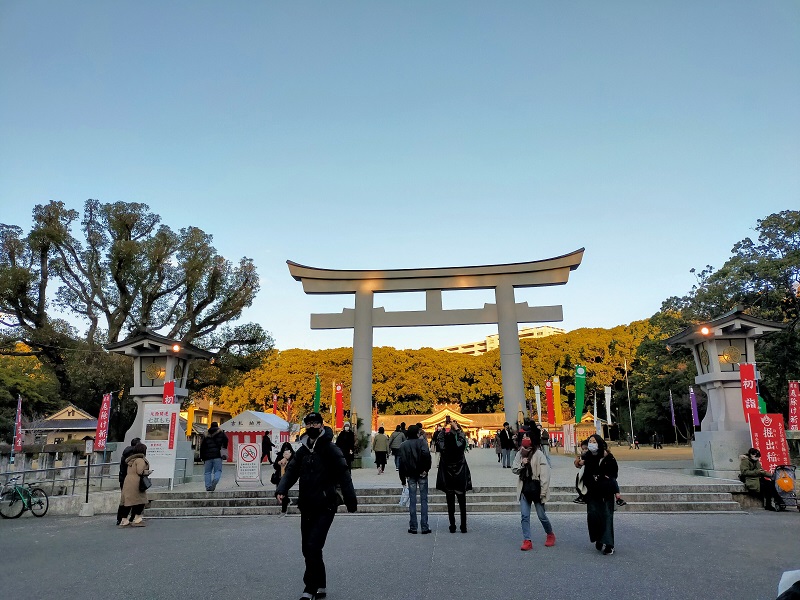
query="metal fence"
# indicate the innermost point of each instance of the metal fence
(63, 481)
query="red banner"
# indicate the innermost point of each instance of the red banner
(274, 404)
(101, 433)
(339, 407)
(18, 426)
(794, 405)
(169, 392)
(747, 375)
(551, 411)
(172, 427)
(768, 435)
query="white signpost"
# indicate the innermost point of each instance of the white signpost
(248, 463)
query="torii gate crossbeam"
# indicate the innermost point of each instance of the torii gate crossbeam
(505, 312)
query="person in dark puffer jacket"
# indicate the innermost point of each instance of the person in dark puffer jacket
(415, 462)
(212, 448)
(320, 467)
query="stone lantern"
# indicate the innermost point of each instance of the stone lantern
(157, 359)
(719, 347)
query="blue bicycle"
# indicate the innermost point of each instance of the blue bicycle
(18, 498)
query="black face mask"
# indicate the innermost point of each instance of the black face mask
(313, 432)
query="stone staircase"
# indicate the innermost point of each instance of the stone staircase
(247, 502)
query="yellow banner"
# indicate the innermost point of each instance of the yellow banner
(557, 401)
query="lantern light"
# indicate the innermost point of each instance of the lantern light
(176, 347)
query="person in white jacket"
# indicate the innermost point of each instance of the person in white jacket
(530, 464)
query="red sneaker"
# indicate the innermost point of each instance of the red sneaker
(526, 545)
(551, 540)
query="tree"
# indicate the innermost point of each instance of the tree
(764, 278)
(125, 270)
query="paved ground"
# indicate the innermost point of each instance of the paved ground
(664, 557)
(637, 467)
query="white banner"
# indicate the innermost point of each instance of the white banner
(538, 403)
(159, 434)
(608, 404)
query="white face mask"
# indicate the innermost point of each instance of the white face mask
(592, 448)
(347, 428)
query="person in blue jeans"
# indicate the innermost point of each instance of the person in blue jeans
(415, 463)
(530, 463)
(213, 449)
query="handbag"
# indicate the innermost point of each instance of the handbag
(532, 489)
(404, 499)
(275, 478)
(144, 483)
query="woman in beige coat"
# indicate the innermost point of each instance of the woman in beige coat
(531, 463)
(132, 498)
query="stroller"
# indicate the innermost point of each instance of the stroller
(784, 480)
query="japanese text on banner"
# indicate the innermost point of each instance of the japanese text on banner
(794, 405)
(101, 433)
(768, 435)
(747, 375)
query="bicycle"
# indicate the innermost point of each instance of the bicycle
(18, 498)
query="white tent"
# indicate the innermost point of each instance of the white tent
(251, 425)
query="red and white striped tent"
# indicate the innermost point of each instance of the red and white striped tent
(250, 426)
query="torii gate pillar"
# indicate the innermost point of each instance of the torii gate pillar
(506, 312)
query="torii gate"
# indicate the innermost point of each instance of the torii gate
(506, 312)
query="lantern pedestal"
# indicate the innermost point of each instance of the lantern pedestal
(716, 453)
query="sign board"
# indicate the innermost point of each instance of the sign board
(89, 446)
(248, 462)
(768, 436)
(159, 433)
(747, 375)
(794, 405)
(101, 433)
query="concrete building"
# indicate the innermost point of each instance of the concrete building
(492, 342)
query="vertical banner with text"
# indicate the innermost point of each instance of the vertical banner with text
(557, 401)
(607, 390)
(693, 403)
(18, 426)
(101, 433)
(339, 406)
(768, 435)
(548, 394)
(747, 375)
(794, 405)
(169, 392)
(580, 389)
(538, 393)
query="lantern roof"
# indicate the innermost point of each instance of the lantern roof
(146, 341)
(734, 323)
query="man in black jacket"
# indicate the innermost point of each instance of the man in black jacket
(415, 462)
(506, 444)
(213, 449)
(320, 467)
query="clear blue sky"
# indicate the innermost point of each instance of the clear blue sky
(415, 134)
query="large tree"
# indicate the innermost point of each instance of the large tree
(119, 268)
(763, 276)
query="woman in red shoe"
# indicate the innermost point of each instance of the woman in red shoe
(530, 463)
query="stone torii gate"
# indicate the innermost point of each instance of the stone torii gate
(505, 312)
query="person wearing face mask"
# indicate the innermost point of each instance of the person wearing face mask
(346, 441)
(531, 463)
(285, 454)
(600, 477)
(758, 481)
(320, 467)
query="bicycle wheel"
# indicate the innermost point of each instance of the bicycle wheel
(39, 502)
(11, 505)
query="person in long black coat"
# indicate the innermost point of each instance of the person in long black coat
(346, 442)
(600, 476)
(266, 448)
(453, 476)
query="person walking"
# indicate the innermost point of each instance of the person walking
(600, 476)
(544, 435)
(213, 449)
(266, 448)
(346, 442)
(415, 463)
(123, 471)
(435, 437)
(397, 439)
(133, 498)
(453, 476)
(380, 446)
(285, 455)
(636, 443)
(531, 466)
(506, 445)
(498, 450)
(320, 467)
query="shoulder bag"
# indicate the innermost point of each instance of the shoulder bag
(144, 483)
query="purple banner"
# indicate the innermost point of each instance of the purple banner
(671, 408)
(693, 400)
